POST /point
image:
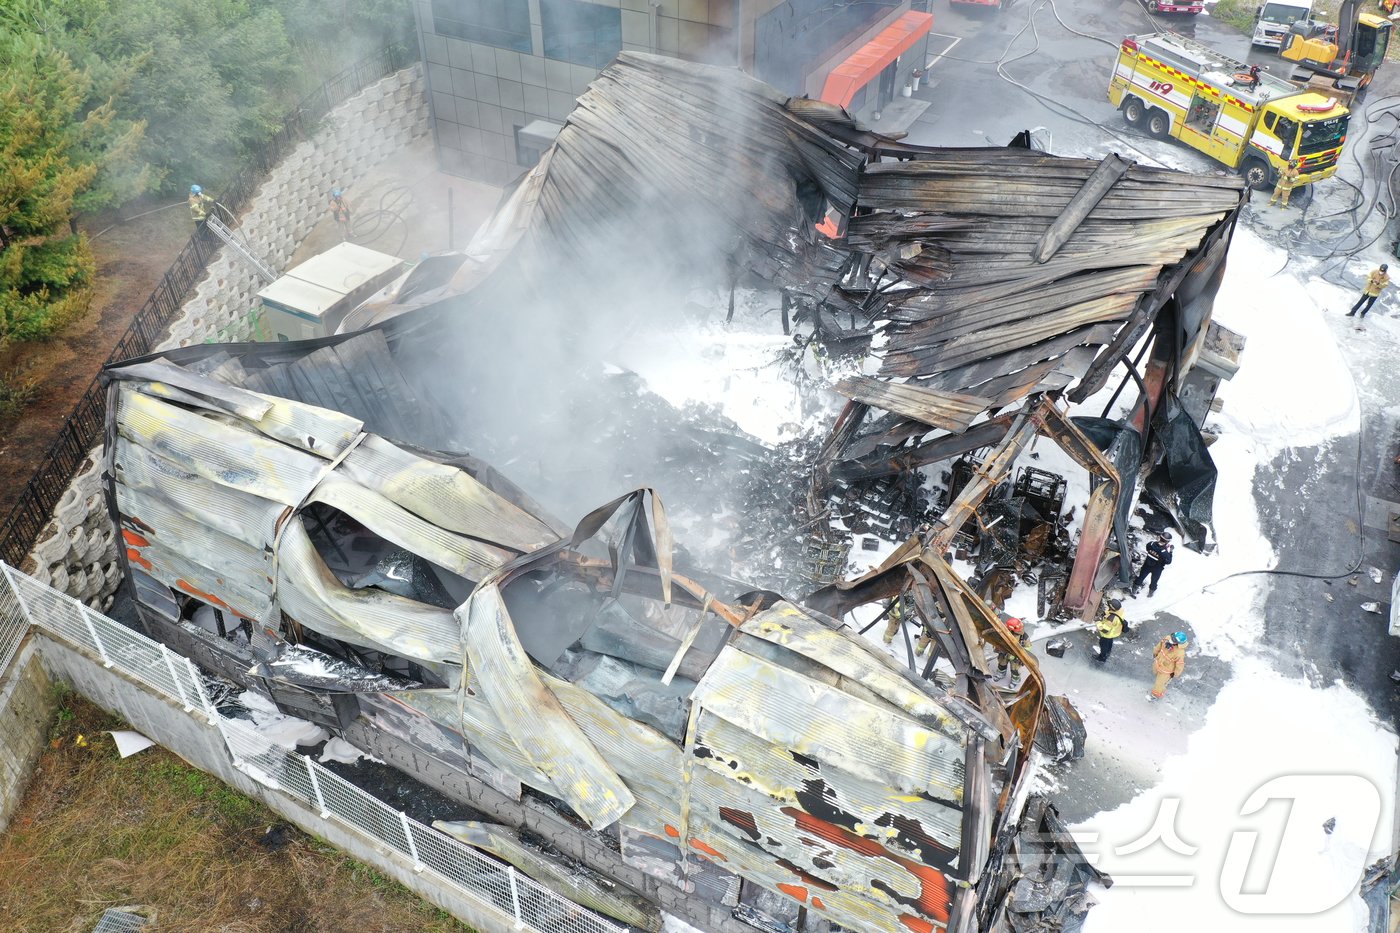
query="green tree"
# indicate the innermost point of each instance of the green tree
(207, 78)
(329, 35)
(46, 164)
(100, 136)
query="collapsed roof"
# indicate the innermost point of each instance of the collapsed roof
(979, 279)
(990, 272)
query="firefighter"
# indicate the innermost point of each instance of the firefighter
(1376, 283)
(1159, 554)
(1007, 660)
(896, 618)
(1110, 625)
(1168, 662)
(340, 210)
(199, 204)
(1286, 180)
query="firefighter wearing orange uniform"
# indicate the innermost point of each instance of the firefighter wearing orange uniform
(1287, 179)
(1168, 662)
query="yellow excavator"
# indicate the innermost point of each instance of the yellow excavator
(1338, 60)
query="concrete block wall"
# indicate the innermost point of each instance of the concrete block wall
(356, 136)
(77, 552)
(26, 705)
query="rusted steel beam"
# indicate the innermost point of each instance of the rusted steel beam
(1098, 517)
(1093, 541)
(1154, 382)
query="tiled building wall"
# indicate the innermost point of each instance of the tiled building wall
(481, 94)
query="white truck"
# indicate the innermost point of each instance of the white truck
(1272, 19)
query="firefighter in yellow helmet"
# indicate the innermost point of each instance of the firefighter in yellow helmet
(1287, 178)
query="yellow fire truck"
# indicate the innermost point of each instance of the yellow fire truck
(1249, 120)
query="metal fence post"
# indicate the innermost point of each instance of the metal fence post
(96, 639)
(316, 788)
(412, 846)
(514, 897)
(7, 570)
(175, 678)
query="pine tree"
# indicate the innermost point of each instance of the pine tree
(42, 173)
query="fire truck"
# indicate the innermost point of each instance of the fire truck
(1247, 119)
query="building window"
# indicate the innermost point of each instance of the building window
(796, 36)
(582, 33)
(502, 23)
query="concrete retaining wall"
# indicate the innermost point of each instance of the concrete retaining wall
(203, 747)
(26, 705)
(77, 552)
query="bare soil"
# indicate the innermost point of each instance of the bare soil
(131, 258)
(151, 834)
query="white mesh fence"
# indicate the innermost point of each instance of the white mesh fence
(25, 601)
(13, 623)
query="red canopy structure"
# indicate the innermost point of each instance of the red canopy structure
(866, 63)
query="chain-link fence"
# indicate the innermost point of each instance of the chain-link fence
(25, 602)
(83, 427)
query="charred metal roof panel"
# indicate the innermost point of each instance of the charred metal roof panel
(951, 411)
(357, 377)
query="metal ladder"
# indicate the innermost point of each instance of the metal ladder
(235, 242)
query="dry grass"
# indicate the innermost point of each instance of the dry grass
(96, 831)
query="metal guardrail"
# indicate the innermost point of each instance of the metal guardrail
(26, 603)
(80, 431)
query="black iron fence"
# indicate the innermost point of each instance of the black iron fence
(83, 427)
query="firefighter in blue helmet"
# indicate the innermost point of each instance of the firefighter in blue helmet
(1168, 662)
(340, 210)
(200, 203)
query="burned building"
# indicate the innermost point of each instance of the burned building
(981, 280)
(317, 521)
